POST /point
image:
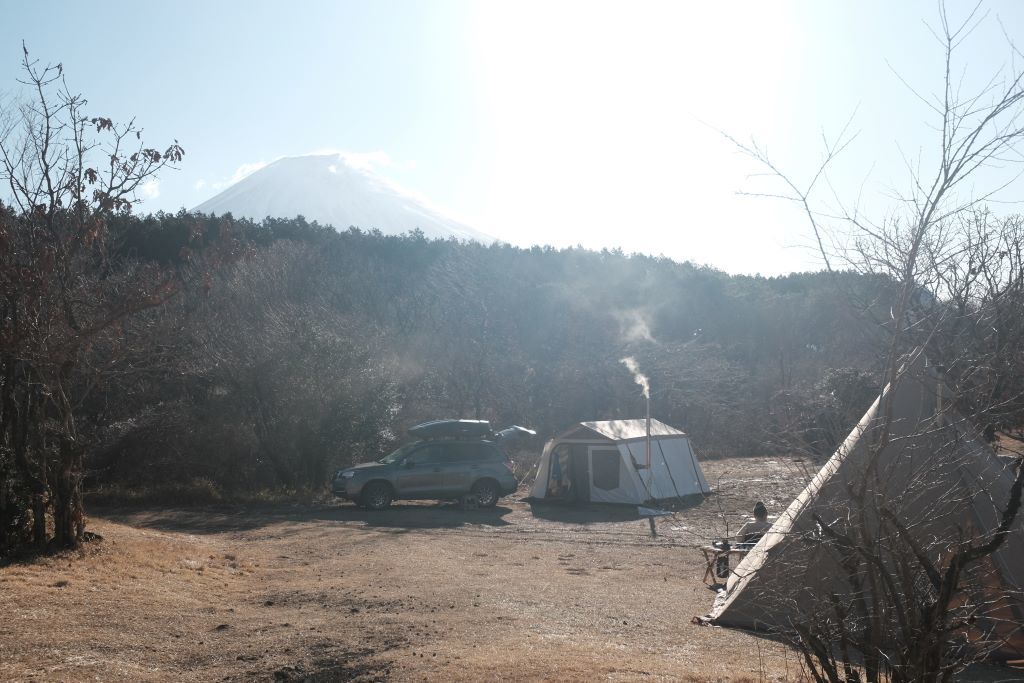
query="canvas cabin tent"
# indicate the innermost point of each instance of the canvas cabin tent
(605, 462)
(935, 475)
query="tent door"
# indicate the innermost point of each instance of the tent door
(560, 474)
(569, 473)
(580, 473)
(604, 468)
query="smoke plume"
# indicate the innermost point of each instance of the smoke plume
(638, 377)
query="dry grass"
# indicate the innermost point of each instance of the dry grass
(420, 592)
(197, 492)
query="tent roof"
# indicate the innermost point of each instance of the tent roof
(628, 430)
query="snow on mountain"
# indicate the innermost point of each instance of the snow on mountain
(327, 189)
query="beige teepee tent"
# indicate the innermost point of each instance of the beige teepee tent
(933, 475)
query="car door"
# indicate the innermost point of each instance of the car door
(450, 470)
(421, 474)
(463, 465)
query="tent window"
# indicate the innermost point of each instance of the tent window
(605, 469)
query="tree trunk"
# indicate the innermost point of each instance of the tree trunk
(68, 516)
(39, 518)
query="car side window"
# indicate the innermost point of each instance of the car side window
(454, 452)
(486, 451)
(426, 454)
(472, 452)
(449, 453)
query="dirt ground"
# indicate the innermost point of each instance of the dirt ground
(417, 592)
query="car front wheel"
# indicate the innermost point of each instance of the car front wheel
(377, 495)
(487, 493)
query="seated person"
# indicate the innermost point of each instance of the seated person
(752, 531)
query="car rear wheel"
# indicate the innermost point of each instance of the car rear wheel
(377, 495)
(486, 492)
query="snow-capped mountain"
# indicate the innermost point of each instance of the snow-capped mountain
(327, 189)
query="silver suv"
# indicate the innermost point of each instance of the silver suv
(436, 469)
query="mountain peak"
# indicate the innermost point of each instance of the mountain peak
(331, 190)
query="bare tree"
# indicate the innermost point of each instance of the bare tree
(62, 289)
(268, 352)
(914, 592)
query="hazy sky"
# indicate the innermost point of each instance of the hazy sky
(539, 122)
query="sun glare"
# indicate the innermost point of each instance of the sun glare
(599, 116)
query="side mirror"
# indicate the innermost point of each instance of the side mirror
(408, 464)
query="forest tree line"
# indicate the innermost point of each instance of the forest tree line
(313, 349)
(316, 349)
(286, 350)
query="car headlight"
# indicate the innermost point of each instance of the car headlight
(348, 475)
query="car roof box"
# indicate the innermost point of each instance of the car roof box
(450, 429)
(513, 433)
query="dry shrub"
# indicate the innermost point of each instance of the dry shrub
(196, 491)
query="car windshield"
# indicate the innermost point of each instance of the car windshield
(396, 455)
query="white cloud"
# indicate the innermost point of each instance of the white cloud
(364, 161)
(150, 189)
(240, 173)
(246, 170)
(367, 161)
